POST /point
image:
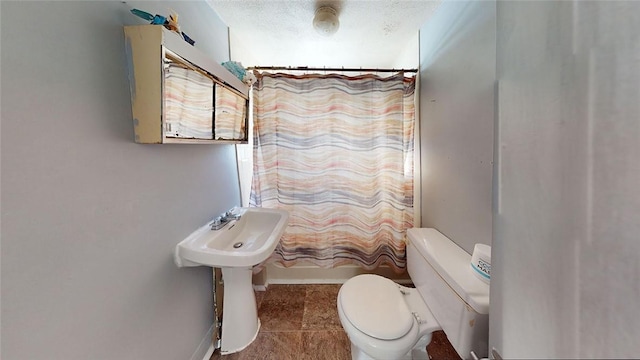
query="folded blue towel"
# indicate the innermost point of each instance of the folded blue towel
(235, 68)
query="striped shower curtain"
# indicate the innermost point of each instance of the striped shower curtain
(337, 153)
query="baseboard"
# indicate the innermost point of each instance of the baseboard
(205, 348)
(310, 274)
(209, 352)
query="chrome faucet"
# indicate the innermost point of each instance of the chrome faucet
(220, 221)
(232, 214)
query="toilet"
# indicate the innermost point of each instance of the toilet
(387, 321)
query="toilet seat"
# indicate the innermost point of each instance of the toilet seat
(375, 306)
(376, 348)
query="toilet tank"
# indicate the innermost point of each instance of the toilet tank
(442, 273)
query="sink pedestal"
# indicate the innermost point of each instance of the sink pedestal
(240, 323)
(236, 248)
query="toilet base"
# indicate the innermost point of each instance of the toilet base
(357, 354)
(418, 352)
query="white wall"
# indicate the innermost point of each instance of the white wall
(409, 56)
(89, 218)
(566, 260)
(457, 80)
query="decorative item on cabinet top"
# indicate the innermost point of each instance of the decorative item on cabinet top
(179, 95)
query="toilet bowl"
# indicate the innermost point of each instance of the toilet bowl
(387, 321)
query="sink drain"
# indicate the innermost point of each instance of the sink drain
(238, 245)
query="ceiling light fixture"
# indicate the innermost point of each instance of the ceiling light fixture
(326, 21)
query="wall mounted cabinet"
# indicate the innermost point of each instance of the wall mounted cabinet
(178, 94)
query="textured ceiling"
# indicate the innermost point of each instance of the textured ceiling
(373, 33)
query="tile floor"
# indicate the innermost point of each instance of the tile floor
(301, 322)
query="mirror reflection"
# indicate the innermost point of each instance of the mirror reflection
(230, 114)
(188, 102)
(197, 106)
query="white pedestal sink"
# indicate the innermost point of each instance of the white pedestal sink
(236, 248)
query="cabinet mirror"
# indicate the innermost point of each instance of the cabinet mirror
(230, 115)
(199, 106)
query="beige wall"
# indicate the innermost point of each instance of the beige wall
(457, 80)
(89, 218)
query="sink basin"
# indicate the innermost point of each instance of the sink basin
(236, 248)
(244, 242)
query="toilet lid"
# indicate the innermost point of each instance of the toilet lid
(375, 306)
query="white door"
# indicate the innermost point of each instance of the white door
(566, 245)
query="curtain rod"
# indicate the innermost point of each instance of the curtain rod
(306, 68)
